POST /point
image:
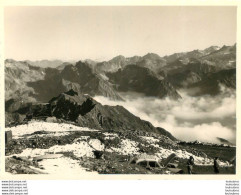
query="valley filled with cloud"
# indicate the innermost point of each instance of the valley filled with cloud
(204, 118)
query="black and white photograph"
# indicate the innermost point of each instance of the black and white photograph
(93, 90)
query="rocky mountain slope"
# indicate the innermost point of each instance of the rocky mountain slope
(142, 80)
(151, 60)
(17, 77)
(212, 82)
(151, 75)
(225, 57)
(40, 84)
(80, 77)
(181, 70)
(116, 63)
(214, 55)
(84, 111)
(186, 57)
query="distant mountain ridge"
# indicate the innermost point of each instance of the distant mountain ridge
(155, 62)
(150, 74)
(29, 88)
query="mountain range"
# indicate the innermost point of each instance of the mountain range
(28, 83)
(150, 75)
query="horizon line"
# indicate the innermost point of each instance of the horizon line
(108, 59)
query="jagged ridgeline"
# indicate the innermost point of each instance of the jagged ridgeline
(32, 85)
(84, 111)
(199, 71)
(40, 84)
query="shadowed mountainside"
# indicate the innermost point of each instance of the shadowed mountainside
(86, 112)
(142, 80)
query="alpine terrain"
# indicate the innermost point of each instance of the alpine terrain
(129, 115)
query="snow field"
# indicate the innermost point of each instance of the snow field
(34, 126)
(84, 147)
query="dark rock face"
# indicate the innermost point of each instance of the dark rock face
(80, 78)
(210, 84)
(11, 108)
(184, 75)
(70, 105)
(142, 80)
(15, 104)
(197, 67)
(200, 78)
(17, 75)
(87, 112)
(89, 81)
(50, 86)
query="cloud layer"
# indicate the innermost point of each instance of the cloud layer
(191, 118)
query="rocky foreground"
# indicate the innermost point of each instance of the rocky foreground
(40, 147)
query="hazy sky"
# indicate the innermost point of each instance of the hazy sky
(74, 33)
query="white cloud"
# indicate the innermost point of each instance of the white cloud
(191, 118)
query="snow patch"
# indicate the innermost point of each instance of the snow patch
(110, 135)
(64, 165)
(149, 139)
(127, 147)
(34, 126)
(79, 148)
